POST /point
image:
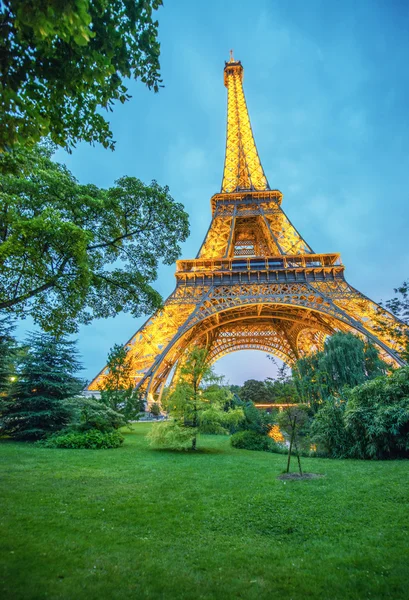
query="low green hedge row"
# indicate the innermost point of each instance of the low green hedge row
(251, 440)
(91, 439)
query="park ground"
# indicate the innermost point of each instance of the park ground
(142, 523)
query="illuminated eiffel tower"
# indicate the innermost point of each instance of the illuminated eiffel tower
(255, 283)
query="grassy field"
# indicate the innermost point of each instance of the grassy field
(143, 523)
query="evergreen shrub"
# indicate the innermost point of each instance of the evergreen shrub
(36, 405)
(90, 414)
(251, 440)
(93, 439)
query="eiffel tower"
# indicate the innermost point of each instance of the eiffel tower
(255, 282)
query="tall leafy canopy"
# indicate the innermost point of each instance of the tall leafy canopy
(399, 306)
(63, 61)
(345, 362)
(71, 252)
(195, 405)
(118, 389)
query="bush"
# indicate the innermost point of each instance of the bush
(216, 421)
(91, 439)
(169, 434)
(328, 429)
(90, 414)
(371, 422)
(377, 417)
(251, 440)
(259, 421)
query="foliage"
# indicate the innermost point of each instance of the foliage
(118, 390)
(257, 420)
(280, 390)
(70, 253)
(62, 62)
(171, 435)
(370, 421)
(345, 362)
(154, 409)
(8, 355)
(92, 439)
(254, 391)
(195, 405)
(328, 430)
(294, 422)
(399, 307)
(91, 414)
(250, 440)
(36, 406)
(377, 417)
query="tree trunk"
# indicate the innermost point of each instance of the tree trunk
(291, 444)
(298, 458)
(194, 423)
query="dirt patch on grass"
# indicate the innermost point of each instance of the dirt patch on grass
(297, 476)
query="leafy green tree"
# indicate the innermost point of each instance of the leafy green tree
(195, 406)
(118, 391)
(61, 62)
(399, 307)
(235, 389)
(155, 409)
(346, 361)
(328, 429)
(281, 389)
(255, 419)
(310, 380)
(47, 377)
(70, 253)
(254, 391)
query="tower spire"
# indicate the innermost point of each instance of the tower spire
(242, 166)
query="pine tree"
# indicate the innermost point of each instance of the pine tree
(46, 377)
(8, 355)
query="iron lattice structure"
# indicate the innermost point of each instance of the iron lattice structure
(255, 283)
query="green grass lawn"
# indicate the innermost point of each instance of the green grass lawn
(143, 523)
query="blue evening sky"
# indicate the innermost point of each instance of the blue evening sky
(327, 88)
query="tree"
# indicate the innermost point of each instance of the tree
(254, 391)
(155, 409)
(294, 421)
(70, 253)
(399, 307)
(195, 406)
(118, 391)
(90, 414)
(255, 419)
(346, 361)
(46, 378)
(61, 62)
(328, 430)
(8, 356)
